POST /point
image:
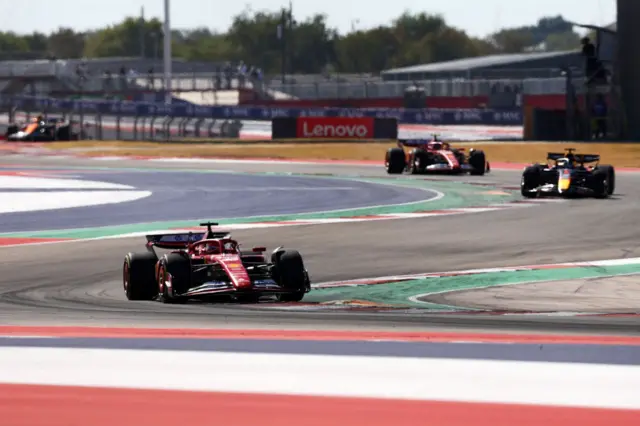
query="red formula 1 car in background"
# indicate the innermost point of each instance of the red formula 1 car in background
(434, 156)
(210, 265)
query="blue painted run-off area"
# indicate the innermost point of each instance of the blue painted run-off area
(187, 196)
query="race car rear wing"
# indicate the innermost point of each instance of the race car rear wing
(175, 241)
(580, 158)
(413, 142)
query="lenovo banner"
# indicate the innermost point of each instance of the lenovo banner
(335, 128)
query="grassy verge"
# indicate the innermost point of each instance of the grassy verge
(620, 155)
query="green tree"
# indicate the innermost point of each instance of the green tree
(562, 41)
(449, 44)
(550, 33)
(65, 43)
(37, 42)
(12, 45)
(310, 46)
(256, 39)
(125, 39)
(367, 51)
(513, 40)
(203, 45)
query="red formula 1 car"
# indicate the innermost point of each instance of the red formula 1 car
(210, 265)
(434, 156)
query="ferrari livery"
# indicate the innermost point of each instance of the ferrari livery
(210, 265)
(566, 175)
(434, 156)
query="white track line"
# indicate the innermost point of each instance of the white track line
(468, 380)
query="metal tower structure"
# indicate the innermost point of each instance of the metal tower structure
(627, 70)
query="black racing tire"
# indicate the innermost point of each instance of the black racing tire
(12, 129)
(478, 162)
(605, 181)
(611, 172)
(530, 180)
(139, 276)
(179, 267)
(292, 276)
(63, 133)
(395, 161)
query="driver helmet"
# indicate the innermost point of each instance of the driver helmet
(436, 145)
(210, 248)
(564, 162)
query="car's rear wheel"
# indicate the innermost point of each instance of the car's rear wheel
(63, 133)
(292, 276)
(138, 276)
(395, 161)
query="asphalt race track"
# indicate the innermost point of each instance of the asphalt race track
(80, 283)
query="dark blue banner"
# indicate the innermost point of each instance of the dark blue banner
(485, 117)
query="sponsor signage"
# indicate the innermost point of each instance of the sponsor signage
(335, 127)
(433, 116)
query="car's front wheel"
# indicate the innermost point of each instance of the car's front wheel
(605, 181)
(292, 276)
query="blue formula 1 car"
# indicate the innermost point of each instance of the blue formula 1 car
(568, 175)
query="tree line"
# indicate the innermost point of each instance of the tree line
(263, 39)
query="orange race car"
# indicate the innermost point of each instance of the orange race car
(40, 129)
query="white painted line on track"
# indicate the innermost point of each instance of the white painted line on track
(13, 336)
(284, 188)
(15, 202)
(45, 193)
(28, 182)
(465, 380)
(255, 161)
